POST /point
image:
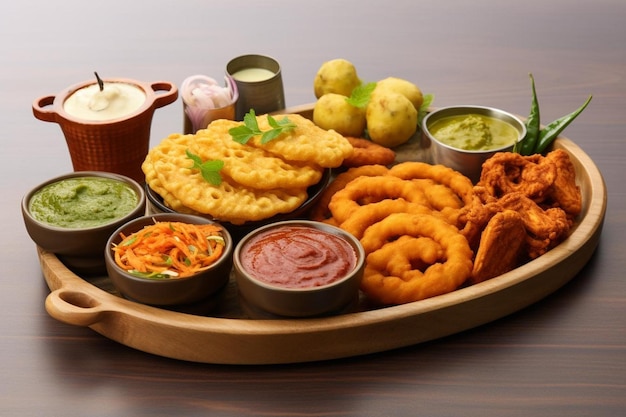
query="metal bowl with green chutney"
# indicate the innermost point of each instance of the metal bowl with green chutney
(463, 137)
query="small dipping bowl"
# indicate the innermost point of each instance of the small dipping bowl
(80, 248)
(277, 270)
(468, 162)
(174, 291)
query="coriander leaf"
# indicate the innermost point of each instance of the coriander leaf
(195, 158)
(249, 119)
(272, 122)
(423, 110)
(210, 170)
(269, 135)
(250, 128)
(284, 124)
(241, 134)
(361, 94)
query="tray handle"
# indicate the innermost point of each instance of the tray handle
(74, 307)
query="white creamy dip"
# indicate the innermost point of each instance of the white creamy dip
(114, 101)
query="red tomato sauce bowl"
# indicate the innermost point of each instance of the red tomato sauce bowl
(298, 268)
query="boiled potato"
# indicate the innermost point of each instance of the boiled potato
(391, 119)
(404, 87)
(332, 111)
(337, 76)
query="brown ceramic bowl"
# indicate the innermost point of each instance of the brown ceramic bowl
(168, 292)
(80, 248)
(118, 144)
(155, 205)
(305, 300)
(468, 162)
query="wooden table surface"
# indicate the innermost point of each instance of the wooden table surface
(565, 355)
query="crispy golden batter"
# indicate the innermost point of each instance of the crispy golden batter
(505, 221)
(306, 143)
(441, 174)
(367, 152)
(366, 190)
(564, 192)
(155, 184)
(321, 212)
(402, 270)
(454, 182)
(249, 166)
(544, 228)
(501, 246)
(507, 172)
(229, 201)
(365, 216)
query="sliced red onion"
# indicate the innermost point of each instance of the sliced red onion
(201, 94)
(205, 92)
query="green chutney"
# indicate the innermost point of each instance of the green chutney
(474, 132)
(83, 202)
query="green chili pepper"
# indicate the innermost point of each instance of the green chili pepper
(533, 124)
(552, 130)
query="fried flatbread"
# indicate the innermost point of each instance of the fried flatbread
(250, 166)
(231, 202)
(306, 143)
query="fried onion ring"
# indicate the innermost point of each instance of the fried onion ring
(367, 190)
(367, 152)
(441, 174)
(453, 180)
(320, 211)
(393, 274)
(367, 215)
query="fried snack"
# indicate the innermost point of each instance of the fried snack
(507, 172)
(367, 190)
(229, 201)
(564, 192)
(441, 174)
(306, 143)
(249, 166)
(365, 216)
(367, 152)
(392, 275)
(458, 183)
(545, 228)
(320, 211)
(501, 246)
(155, 184)
(542, 189)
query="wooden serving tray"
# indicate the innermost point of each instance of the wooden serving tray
(228, 337)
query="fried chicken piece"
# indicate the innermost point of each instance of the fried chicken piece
(501, 246)
(564, 192)
(507, 172)
(544, 228)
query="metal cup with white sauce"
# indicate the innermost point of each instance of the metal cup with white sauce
(260, 84)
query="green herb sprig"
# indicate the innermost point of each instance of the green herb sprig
(250, 128)
(210, 170)
(361, 94)
(423, 110)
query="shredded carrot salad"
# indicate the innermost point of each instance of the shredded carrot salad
(170, 249)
